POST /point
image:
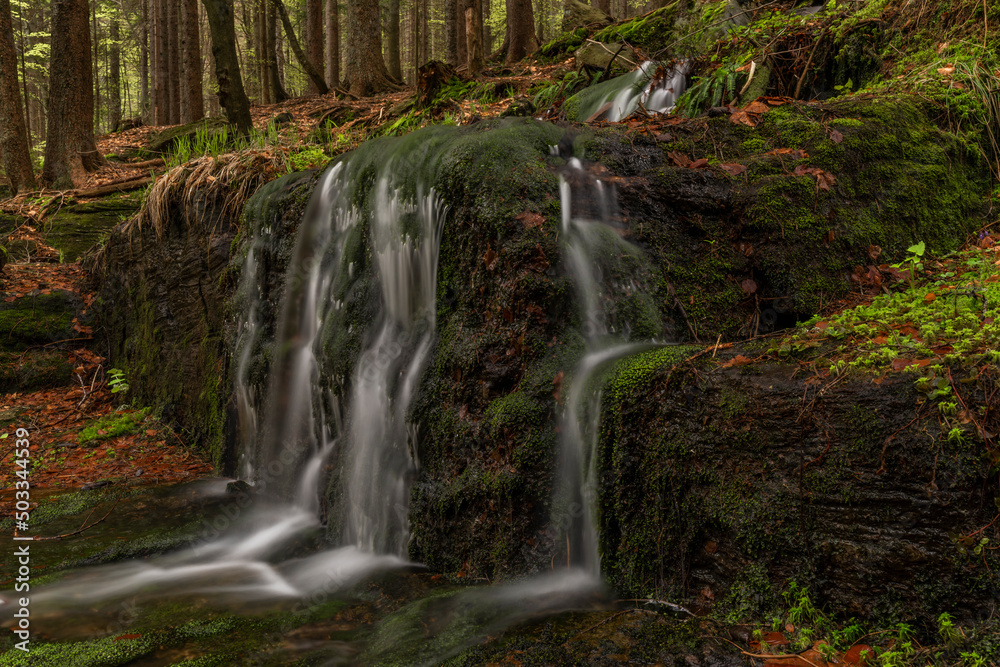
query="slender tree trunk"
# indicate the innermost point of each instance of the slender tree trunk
(332, 10)
(232, 96)
(315, 76)
(473, 22)
(520, 30)
(13, 135)
(260, 42)
(161, 84)
(24, 79)
(392, 60)
(114, 77)
(177, 103)
(96, 74)
(277, 93)
(314, 41)
(415, 38)
(424, 33)
(190, 57)
(461, 39)
(450, 32)
(70, 150)
(144, 60)
(487, 33)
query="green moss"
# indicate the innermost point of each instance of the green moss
(649, 31)
(112, 426)
(40, 319)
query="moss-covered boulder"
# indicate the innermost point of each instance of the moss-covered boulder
(76, 228)
(42, 317)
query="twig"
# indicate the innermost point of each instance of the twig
(782, 656)
(805, 70)
(82, 528)
(717, 341)
(602, 622)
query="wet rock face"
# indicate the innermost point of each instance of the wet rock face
(160, 307)
(743, 479)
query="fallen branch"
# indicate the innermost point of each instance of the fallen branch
(82, 527)
(120, 186)
(767, 656)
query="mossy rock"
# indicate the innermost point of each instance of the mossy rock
(649, 32)
(38, 319)
(163, 142)
(34, 369)
(76, 228)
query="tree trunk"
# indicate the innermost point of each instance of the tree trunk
(260, 40)
(13, 136)
(332, 9)
(393, 63)
(161, 101)
(603, 5)
(424, 33)
(314, 41)
(97, 79)
(315, 76)
(461, 40)
(144, 60)
(473, 23)
(365, 66)
(114, 77)
(520, 30)
(70, 150)
(415, 39)
(232, 96)
(177, 102)
(190, 80)
(278, 93)
(450, 32)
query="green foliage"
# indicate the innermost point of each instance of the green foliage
(117, 381)
(547, 95)
(714, 89)
(307, 158)
(112, 426)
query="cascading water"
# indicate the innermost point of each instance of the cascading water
(586, 225)
(656, 89)
(323, 389)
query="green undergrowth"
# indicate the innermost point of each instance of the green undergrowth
(943, 311)
(112, 426)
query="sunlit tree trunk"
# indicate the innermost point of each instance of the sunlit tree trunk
(70, 150)
(13, 133)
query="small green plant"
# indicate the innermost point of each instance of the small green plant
(950, 634)
(117, 381)
(972, 659)
(913, 261)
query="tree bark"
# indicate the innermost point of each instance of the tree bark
(365, 66)
(232, 96)
(392, 60)
(603, 5)
(461, 39)
(450, 32)
(70, 150)
(114, 76)
(96, 61)
(177, 103)
(332, 10)
(473, 23)
(315, 76)
(520, 30)
(144, 60)
(13, 135)
(260, 42)
(314, 41)
(191, 83)
(278, 93)
(161, 81)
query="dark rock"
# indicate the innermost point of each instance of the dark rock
(238, 486)
(283, 118)
(578, 14)
(96, 485)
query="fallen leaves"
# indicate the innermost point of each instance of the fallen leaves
(824, 179)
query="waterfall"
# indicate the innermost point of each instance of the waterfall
(587, 222)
